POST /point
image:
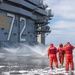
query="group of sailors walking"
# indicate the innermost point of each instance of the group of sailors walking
(64, 52)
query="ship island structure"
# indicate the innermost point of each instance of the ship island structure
(23, 21)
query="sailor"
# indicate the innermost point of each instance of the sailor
(68, 48)
(52, 50)
(61, 55)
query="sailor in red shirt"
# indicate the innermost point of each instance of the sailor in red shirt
(52, 55)
(69, 56)
(61, 54)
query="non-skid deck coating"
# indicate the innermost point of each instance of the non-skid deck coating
(20, 70)
(27, 65)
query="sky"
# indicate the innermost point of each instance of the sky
(62, 24)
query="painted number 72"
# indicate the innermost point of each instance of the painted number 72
(12, 24)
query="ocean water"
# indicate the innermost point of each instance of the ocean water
(27, 60)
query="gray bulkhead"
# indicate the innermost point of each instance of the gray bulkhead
(19, 21)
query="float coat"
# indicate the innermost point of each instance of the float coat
(61, 55)
(52, 56)
(69, 56)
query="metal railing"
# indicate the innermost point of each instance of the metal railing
(41, 1)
